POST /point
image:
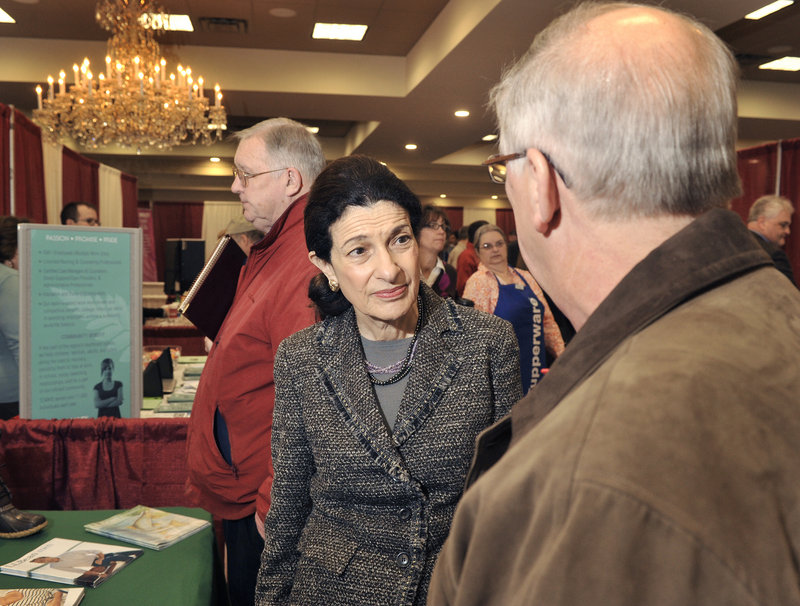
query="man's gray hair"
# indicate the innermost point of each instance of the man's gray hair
(768, 207)
(636, 131)
(289, 145)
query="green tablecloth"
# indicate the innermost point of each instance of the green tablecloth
(181, 574)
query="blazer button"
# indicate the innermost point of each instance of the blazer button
(404, 513)
(402, 559)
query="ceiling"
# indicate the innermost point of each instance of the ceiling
(420, 61)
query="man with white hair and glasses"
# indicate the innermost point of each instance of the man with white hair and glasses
(659, 460)
(229, 461)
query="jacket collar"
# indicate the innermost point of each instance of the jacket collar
(292, 214)
(715, 248)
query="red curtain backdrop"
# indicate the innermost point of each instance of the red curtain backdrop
(455, 216)
(175, 220)
(790, 187)
(29, 196)
(130, 203)
(504, 219)
(102, 463)
(80, 179)
(5, 165)
(149, 271)
(758, 169)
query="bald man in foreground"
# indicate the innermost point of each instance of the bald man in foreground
(659, 460)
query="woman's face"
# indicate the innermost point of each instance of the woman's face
(107, 372)
(374, 260)
(432, 236)
(492, 249)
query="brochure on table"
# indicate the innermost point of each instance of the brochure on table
(80, 290)
(72, 562)
(43, 596)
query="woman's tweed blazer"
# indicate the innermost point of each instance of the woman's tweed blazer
(359, 514)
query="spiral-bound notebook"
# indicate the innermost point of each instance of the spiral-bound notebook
(210, 297)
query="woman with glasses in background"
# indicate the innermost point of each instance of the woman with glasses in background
(514, 295)
(440, 276)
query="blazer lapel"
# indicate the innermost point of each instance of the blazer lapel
(428, 381)
(350, 391)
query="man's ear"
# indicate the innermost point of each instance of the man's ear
(324, 266)
(294, 182)
(543, 192)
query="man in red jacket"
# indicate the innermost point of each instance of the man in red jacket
(229, 458)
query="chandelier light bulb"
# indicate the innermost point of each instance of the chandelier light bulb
(159, 112)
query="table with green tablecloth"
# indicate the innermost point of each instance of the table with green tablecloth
(185, 573)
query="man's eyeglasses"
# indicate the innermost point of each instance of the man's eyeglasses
(434, 226)
(244, 176)
(497, 166)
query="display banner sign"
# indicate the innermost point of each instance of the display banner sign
(81, 321)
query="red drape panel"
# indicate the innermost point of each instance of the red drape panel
(758, 169)
(175, 220)
(5, 166)
(102, 463)
(790, 187)
(130, 201)
(80, 178)
(455, 216)
(504, 219)
(29, 197)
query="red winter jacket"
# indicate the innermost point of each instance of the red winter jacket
(271, 303)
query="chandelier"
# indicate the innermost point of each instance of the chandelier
(134, 103)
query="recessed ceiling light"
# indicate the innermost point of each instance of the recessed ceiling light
(5, 17)
(462, 113)
(214, 159)
(787, 64)
(491, 137)
(769, 9)
(283, 13)
(494, 197)
(166, 22)
(411, 146)
(312, 129)
(442, 195)
(338, 31)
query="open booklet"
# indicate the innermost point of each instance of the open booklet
(148, 527)
(72, 562)
(47, 596)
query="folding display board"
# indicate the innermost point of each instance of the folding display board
(81, 306)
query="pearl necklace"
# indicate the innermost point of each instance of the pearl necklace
(401, 367)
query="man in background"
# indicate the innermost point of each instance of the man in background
(770, 219)
(243, 233)
(658, 462)
(461, 244)
(229, 460)
(79, 213)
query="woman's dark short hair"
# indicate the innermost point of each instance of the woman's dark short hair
(349, 181)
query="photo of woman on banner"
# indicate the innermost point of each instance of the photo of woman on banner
(108, 392)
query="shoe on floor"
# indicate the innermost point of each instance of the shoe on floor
(15, 524)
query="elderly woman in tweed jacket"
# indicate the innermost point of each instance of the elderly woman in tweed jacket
(377, 407)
